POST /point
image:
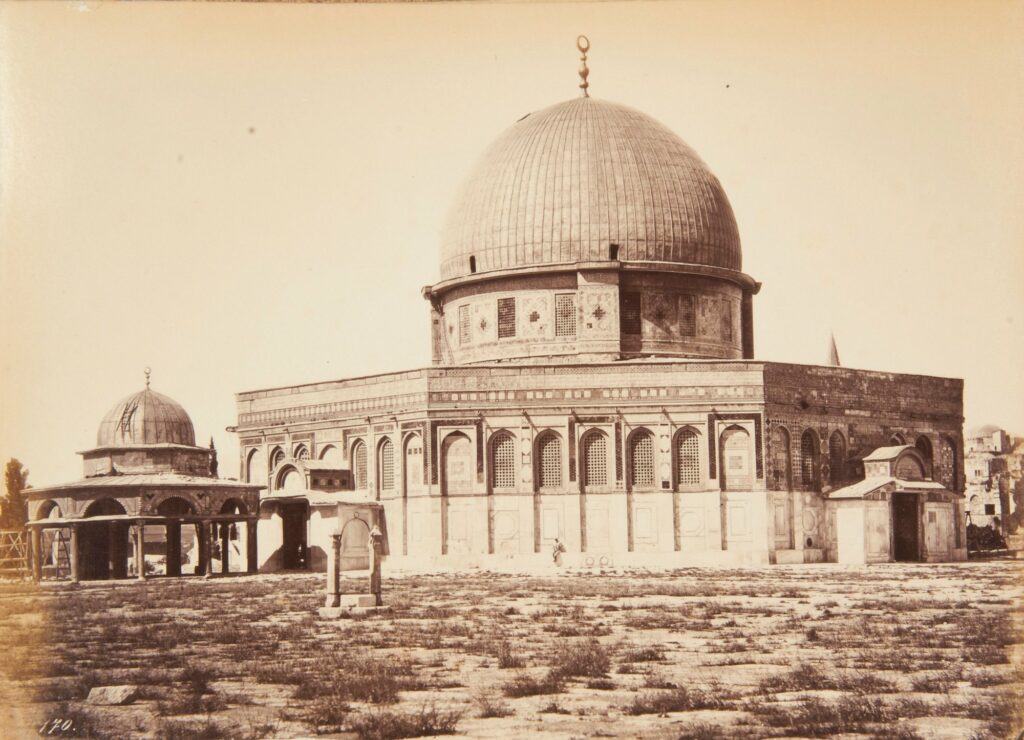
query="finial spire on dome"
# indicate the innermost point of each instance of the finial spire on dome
(147, 371)
(583, 44)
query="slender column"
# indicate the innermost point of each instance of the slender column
(376, 548)
(140, 555)
(225, 543)
(37, 553)
(207, 562)
(251, 552)
(334, 571)
(75, 574)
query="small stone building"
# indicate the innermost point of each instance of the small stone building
(594, 381)
(147, 501)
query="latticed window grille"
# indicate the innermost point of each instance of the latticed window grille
(549, 456)
(503, 462)
(359, 464)
(688, 315)
(506, 317)
(595, 460)
(641, 459)
(464, 331)
(387, 465)
(277, 457)
(565, 315)
(808, 457)
(688, 458)
(302, 453)
(629, 309)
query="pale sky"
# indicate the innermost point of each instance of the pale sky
(243, 196)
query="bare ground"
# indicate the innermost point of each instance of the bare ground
(808, 651)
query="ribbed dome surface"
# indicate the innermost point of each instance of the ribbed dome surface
(562, 184)
(145, 418)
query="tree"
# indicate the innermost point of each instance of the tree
(213, 459)
(14, 512)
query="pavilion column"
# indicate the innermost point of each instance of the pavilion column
(225, 543)
(75, 574)
(37, 553)
(205, 559)
(140, 555)
(173, 554)
(251, 553)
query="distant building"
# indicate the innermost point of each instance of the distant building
(594, 382)
(994, 481)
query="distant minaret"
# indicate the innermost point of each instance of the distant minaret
(833, 353)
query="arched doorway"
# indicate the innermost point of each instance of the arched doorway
(458, 465)
(103, 545)
(737, 472)
(231, 537)
(355, 545)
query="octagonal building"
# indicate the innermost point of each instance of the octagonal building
(593, 386)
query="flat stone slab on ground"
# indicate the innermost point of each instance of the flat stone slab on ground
(113, 695)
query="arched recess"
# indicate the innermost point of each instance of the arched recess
(385, 466)
(502, 460)
(594, 459)
(290, 480)
(234, 506)
(104, 507)
(810, 460)
(837, 458)
(547, 461)
(897, 440)
(412, 470)
(782, 459)
(458, 464)
(301, 452)
(640, 459)
(924, 446)
(737, 471)
(332, 456)
(686, 463)
(48, 510)
(276, 457)
(255, 470)
(358, 458)
(355, 541)
(910, 467)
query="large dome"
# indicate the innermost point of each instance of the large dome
(145, 418)
(563, 184)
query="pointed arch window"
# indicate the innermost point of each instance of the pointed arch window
(549, 460)
(595, 459)
(359, 464)
(809, 459)
(641, 459)
(387, 465)
(687, 451)
(503, 461)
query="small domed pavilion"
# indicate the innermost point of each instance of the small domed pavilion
(146, 484)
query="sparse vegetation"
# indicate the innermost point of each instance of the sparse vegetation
(248, 658)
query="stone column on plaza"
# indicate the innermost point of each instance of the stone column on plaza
(35, 534)
(140, 553)
(75, 566)
(251, 551)
(334, 572)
